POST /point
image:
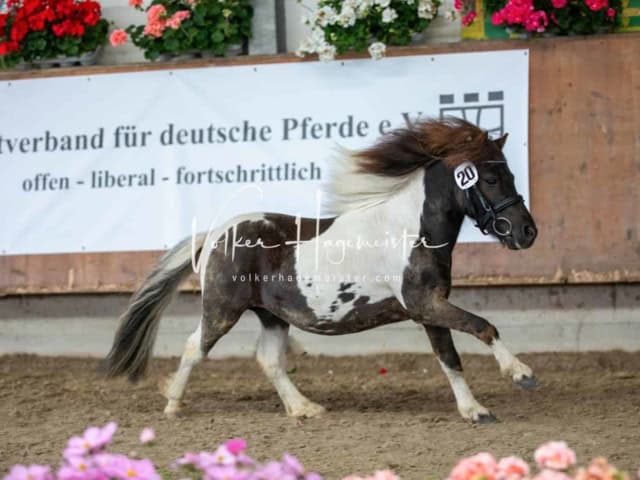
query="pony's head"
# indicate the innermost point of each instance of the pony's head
(483, 185)
(460, 162)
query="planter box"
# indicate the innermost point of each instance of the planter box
(482, 28)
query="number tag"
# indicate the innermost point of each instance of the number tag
(466, 175)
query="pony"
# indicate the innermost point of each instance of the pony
(383, 256)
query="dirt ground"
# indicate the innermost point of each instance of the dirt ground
(405, 420)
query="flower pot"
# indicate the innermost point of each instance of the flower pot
(518, 34)
(84, 60)
(232, 51)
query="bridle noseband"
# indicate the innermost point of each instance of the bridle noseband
(487, 214)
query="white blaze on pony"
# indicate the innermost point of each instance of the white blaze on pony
(384, 257)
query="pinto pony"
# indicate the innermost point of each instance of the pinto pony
(384, 257)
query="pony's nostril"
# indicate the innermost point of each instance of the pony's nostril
(530, 231)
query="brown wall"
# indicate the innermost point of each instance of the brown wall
(584, 170)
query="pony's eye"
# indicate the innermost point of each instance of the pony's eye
(491, 180)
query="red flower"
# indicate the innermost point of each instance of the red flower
(8, 47)
(19, 30)
(64, 9)
(91, 18)
(31, 6)
(38, 21)
(76, 29)
(60, 29)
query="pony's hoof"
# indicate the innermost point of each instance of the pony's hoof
(308, 410)
(486, 419)
(527, 383)
(173, 414)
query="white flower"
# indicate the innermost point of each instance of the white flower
(377, 50)
(363, 8)
(327, 53)
(347, 17)
(450, 14)
(317, 38)
(426, 9)
(389, 15)
(382, 3)
(325, 16)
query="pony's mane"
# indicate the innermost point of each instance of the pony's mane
(363, 178)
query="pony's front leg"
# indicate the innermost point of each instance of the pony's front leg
(445, 350)
(436, 310)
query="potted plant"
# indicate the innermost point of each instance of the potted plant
(177, 27)
(556, 17)
(51, 32)
(338, 26)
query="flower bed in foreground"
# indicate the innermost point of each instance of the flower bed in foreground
(86, 458)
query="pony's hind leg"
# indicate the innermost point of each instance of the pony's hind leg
(212, 327)
(449, 360)
(271, 355)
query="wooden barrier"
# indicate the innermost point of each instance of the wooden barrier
(584, 172)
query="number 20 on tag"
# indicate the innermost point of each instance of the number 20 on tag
(466, 175)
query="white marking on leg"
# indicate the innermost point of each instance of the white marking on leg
(509, 364)
(468, 406)
(271, 357)
(175, 386)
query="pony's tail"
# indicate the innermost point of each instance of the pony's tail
(136, 334)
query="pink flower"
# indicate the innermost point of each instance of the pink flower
(123, 467)
(236, 446)
(154, 29)
(599, 469)
(611, 12)
(384, 475)
(555, 455)
(147, 435)
(118, 37)
(457, 4)
(512, 468)
(135, 3)
(80, 468)
(596, 5)
(222, 456)
(559, 3)
(177, 18)
(480, 466)
(468, 18)
(156, 13)
(536, 22)
(551, 475)
(32, 472)
(93, 440)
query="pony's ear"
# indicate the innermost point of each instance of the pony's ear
(501, 141)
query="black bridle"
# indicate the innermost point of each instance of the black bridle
(482, 211)
(486, 214)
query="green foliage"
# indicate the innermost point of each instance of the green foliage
(214, 26)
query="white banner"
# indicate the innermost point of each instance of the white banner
(124, 162)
